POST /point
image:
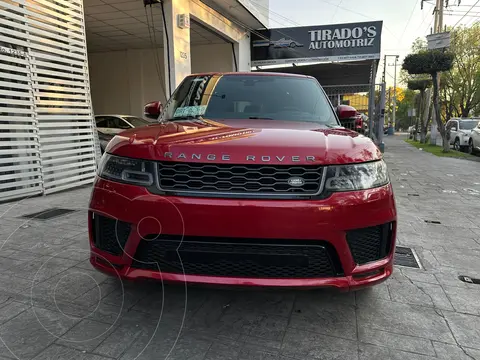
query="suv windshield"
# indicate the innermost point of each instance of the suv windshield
(268, 97)
(468, 124)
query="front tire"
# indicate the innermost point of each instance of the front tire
(292, 45)
(470, 148)
(456, 145)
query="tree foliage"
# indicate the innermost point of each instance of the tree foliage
(428, 62)
(407, 103)
(431, 62)
(419, 84)
(420, 44)
(460, 94)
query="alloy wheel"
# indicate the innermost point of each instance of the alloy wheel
(456, 145)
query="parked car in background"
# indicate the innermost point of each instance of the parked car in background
(474, 142)
(353, 120)
(459, 131)
(411, 132)
(110, 125)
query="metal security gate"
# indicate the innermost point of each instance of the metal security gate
(47, 133)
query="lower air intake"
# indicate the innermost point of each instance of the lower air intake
(249, 258)
(370, 244)
(110, 235)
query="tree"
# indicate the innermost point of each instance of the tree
(420, 44)
(431, 62)
(420, 85)
(389, 95)
(407, 103)
(461, 85)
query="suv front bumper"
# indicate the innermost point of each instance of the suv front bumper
(348, 239)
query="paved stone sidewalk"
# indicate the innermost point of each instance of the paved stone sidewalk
(53, 305)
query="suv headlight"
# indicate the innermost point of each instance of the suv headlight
(356, 177)
(126, 170)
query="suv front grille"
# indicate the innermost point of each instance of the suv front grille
(370, 244)
(248, 258)
(239, 179)
(109, 234)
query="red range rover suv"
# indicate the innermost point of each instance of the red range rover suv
(248, 179)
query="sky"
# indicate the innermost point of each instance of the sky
(403, 20)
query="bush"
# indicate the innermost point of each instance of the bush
(421, 85)
(428, 62)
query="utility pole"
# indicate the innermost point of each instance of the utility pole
(384, 68)
(438, 27)
(438, 11)
(394, 92)
(394, 85)
(441, 6)
(389, 104)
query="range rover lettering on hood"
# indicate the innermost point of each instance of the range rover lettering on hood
(226, 157)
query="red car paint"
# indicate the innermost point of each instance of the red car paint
(153, 109)
(351, 115)
(283, 142)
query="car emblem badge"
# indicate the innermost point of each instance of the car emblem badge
(296, 181)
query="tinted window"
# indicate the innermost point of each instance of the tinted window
(135, 121)
(468, 125)
(102, 123)
(452, 124)
(118, 123)
(251, 97)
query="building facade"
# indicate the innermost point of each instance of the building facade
(63, 61)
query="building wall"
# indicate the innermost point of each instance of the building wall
(231, 31)
(122, 82)
(214, 57)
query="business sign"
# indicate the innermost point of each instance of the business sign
(339, 42)
(438, 41)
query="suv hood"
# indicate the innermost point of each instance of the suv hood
(245, 141)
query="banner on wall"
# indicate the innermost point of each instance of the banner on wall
(338, 42)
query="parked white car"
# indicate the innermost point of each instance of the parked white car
(474, 143)
(459, 131)
(110, 125)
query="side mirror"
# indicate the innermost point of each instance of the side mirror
(453, 129)
(346, 112)
(153, 110)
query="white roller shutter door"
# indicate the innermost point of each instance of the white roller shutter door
(48, 139)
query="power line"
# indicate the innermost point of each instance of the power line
(336, 10)
(409, 19)
(423, 21)
(431, 23)
(478, 1)
(363, 15)
(469, 16)
(280, 16)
